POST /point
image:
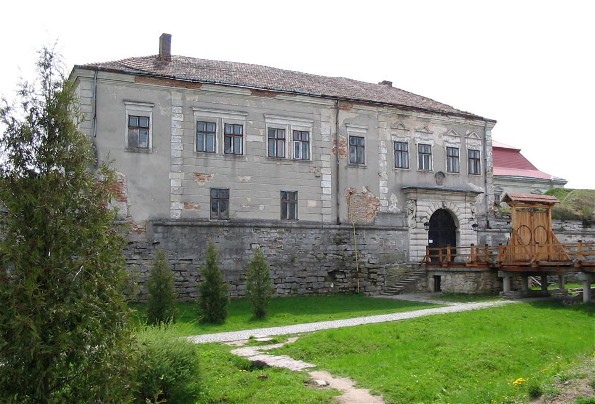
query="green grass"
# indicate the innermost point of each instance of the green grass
(469, 297)
(469, 357)
(286, 311)
(226, 378)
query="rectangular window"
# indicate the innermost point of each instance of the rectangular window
(206, 133)
(401, 154)
(219, 203)
(233, 138)
(452, 159)
(138, 132)
(424, 153)
(301, 145)
(357, 150)
(276, 142)
(289, 205)
(474, 162)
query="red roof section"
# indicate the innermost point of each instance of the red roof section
(510, 162)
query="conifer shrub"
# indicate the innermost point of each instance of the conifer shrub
(161, 307)
(258, 284)
(168, 368)
(64, 334)
(212, 291)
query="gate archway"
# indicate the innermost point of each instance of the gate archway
(442, 232)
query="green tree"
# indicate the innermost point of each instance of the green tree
(64, 334)
(161, 308)
(259, 286)
(213, 294)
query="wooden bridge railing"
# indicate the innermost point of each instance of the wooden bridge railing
(577, 254)
(469, 256)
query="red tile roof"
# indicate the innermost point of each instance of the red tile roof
(509, 161)
(274, 79)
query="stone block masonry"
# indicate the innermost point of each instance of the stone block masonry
(305, 259)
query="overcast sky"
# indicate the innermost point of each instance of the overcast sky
(530, 65)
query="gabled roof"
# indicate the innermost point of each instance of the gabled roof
(274, 79)
(513, 198)
(508, 161)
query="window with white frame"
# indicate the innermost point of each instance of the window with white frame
(206, 136)
(424, 157)
(219, 127)
(288, 137)
(357, 150)
(301, 145)
(276, 142)
(289, 205)
(452, 160)
(401, 150)
(139, 124)
(233, 135)
(474, 161)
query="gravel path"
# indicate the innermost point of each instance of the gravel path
(326, 325)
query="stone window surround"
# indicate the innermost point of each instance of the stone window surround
(357, 131)
(220, 117)
(144, 109)
(289, 124)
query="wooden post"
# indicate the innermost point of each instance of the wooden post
(486, 252)
(579, 252)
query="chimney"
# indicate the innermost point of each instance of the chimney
(386, 83)
(165, 47)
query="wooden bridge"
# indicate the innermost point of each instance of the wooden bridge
(532, 250)
(556, 257)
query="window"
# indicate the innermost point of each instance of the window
(474, 162)
(139, 126)
(206, 133)
(301, 145)
(233, 138)
(289, 205)
(452, 159)
(401, 154)
(424, 153)
(220, 131)
(357, 150)
(276, 142)
(138, 132)
(219, 203)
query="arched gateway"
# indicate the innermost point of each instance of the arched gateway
(442, 230)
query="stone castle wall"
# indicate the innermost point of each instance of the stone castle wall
(304, 259)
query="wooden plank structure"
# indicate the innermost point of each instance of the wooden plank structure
(532, 249)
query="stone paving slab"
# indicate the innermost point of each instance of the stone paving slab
(326, 325)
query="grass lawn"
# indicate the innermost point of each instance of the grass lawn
(469, 357)
(287, 311)
(468, 297)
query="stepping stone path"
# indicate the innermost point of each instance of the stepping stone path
(350, 393)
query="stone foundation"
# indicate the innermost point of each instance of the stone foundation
(464, 280)
(304, 259)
